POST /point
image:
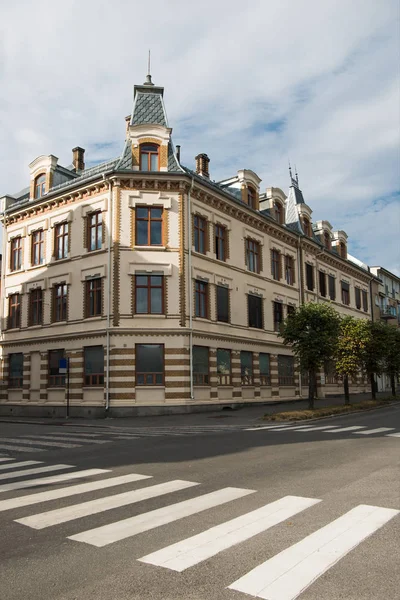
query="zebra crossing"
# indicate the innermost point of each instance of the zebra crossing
(285, 575)
(333, 429)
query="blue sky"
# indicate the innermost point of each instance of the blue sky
(251, 84)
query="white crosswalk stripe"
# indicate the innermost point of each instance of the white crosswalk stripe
(17, 448)
(352, 428)
(25, 463)
(6, 459)
(40, 481)
(38, 442)
(377, 430)
(393, 435)
(66, 438)
(15, 474)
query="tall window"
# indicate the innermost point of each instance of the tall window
(265, 373)
(222, 304)
(358, 297)
(61, 240)
(285, 370)
(246, 367)
(15, 370)
(93, 365)
(55, 379)
(60, 299)
(289, 270)
(327, 240)
(14, 311)
(95, 230)
(278, 315)
(310, 277)
(276, 264)
(255, 311)
(149, 294)
(149, 157)
(279, 213)
(322, 283)
(201, 299)
(35, 307)
(40, 186)
(224, 369)
(342, 250)
(306, 227)
(148, 226)
(200, 234)
(345, 293)
(16, 254)
(220, 242)
(93, 297)
(201, 365)
(365, 301)
(149, 364)
(38, 247)
(332, 287)
(253, 252)
(251, 197)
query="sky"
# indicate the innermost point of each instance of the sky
(253, 84)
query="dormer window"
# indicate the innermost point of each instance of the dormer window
(251, 197)
(40, 186)
(149, 157)
(279, 214)
(327, 240)
(342, 250)
(306, 227)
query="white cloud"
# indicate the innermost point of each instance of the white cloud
(327, 72)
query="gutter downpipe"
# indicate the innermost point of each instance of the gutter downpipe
(110, 223)
(189, 227)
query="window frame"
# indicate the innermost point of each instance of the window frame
(258, 310)
(253, 255)
(306, 226)
(286, 380)
(265, 378)
(149, 287)
(56, 379)
(251, 197)
(35, 307)
(275, 264)
(16, 254)
(93, 294)
(200, 225)
(60, 303)
(246, 378)
(201, 378)
(92, 379)
(15, 381)
(149, 219)
(220, 242)
(327, 240)
(365, 300)
(201, 299)
(97, 227)
(289, 270)
(61, 240)
(39, 245)
(357, 294)
(14, 311)
(345, 293)
(332, 287)
(148, 373)
(322, 283)
(342, 250)
(228, 300)
(39, 186)
(149, 153)
(224, 379)
(279, 212)
(277, 322)
(310, 274)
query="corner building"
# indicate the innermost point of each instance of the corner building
(164, 289)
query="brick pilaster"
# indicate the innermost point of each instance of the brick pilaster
(274, 375)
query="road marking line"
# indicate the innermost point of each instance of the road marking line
(40, 481)
(21, 448)
(68, 432)
(319, 428)
(37, 442)
(107, 534)
(70, 513)
(377, 430)
(66, 439)
(125, 437)
(393, 435)
(289, 573)
(25, 463)
(193, 550)
(353, 428)
(6, 459)
(81, 488)
(267, 427)
(15, 474)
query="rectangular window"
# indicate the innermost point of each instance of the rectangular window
(38, 247)
(16, 254)
(55, 379)
(255, 311)
(16, 370)
(358, 297)
(93, 297)
(200, 234)
(148, 226)
(289, 270)
(95, 230)
(275, 264)
(290, 310)
(322, 283)
(149, 364)
(310, 277)
(253, 252)
(345, 293)
(278, 315)
(224, 370)
(220, 242)
(222, 304)
(332, 287)
(365, 301)
(61, 241)
(35, 316)
(94, 365)
(285, 370)
(149, 294)
(246, 367)
(60, 298)
(201, 299)
(201, 365)
(265, 373)
(14, 311)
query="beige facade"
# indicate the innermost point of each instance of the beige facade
(175, 284)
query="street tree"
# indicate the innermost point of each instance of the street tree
(373, 359)
(352, 342)
(392, 355)
(312, 331)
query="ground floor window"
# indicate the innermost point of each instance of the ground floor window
(149, 364)
(55, 379)
(285, 370)
(201, 365)
(15, 377)
(93, 365)
(224, 369)
(265, 373)
(246, 367)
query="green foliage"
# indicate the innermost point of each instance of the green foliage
(352, 344)
(392, 351)
(373, 358)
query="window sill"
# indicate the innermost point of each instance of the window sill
(147, 315)
(8, 329)
(202, 385)
(204, 319)
(33, 327)
(56, 261)
(97, 251)
(14, 272)
(155, 247)
(56, 387)
(150, 387)
(58, 323)
(33, 267)
(92, 387)
(94, 318)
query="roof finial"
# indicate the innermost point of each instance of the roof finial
(290, 171)
(297, 177)
(148, 76)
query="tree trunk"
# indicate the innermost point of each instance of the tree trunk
(393, 384)
(373, 390)
(311, 390)
(346, 389)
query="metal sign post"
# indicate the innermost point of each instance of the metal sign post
(63, 369)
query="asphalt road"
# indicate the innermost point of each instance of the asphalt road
(336, 536)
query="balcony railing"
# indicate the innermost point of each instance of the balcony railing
(389, 312)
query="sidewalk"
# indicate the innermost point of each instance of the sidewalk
(241, 416)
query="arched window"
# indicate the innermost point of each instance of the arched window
(327, 240)
(342, 250)
(149, 157)
(306, 227)
(279, 216)
(40, 186)
(251, 197)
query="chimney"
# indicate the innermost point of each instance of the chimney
(202, 163)
(178, 153)
(78, 158)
